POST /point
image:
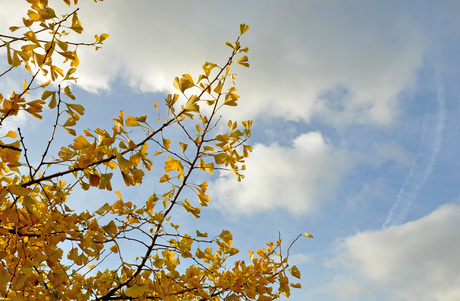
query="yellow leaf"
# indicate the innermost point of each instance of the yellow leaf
(30, 35)
(295, 272)
(76, 25)
(243, 28)
(67, 92)
(127, 178)
(103, 209)
(308, 235)
(11, 134)
(166, 143)
(27, 22)
(131, 121)
(45, 84)
(199, 234)
(77, 108)
(105, 181)
(81, 143)
(226, 236)
(19, 190)
(52, 103)
(165, 178)
(243, 61)
(220, 158)
(114, 249)
(69, 122)
(191, 105)
(176, 84)
(111, 229)
(70, 131)
(136, 291)
(218, 88)
(183, 146)
(25, 87)
(189, 78)
(5, 277)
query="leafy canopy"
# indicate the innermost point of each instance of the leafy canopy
(49, 251)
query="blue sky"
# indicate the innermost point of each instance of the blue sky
(356, 128)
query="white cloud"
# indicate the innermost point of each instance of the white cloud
(300, 53)
(295, 178)
(418, 260)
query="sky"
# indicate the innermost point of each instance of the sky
(356, 131)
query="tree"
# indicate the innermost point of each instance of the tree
(50, 251)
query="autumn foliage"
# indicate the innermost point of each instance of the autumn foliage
(50, 251)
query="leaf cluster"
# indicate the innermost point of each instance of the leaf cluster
(50, 251)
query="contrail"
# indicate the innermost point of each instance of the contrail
(422, 166)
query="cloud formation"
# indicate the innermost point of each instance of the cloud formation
(424, 162)
(418, 260)
(294, 178)
(313, 59)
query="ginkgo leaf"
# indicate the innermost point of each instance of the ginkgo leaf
(11, 134)
(218, 88)
(77, 108)
(114, 249)
(45, 84)
(111, 229)
(76, 24)
(183, 146)
(67, 92)
(243, 61)
(243, 28)
(38, 224)
(5, 277)
(19, 190)
(199, 234)
(106, 207)
(71, 131)
(189, 79)
(166, 143)
(192, 105)
(295, 272)
(94, 179)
